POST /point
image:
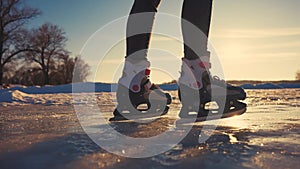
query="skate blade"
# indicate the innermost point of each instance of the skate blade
(214, 114)
(143, 115)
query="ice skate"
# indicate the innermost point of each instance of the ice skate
(205, 97)
(137, 97)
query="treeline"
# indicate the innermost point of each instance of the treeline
(36, 56)
(298, 75)
(61, 72)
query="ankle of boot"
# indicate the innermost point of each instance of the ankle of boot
(134, 73)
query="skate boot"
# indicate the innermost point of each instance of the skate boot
(137, 97)
(201, 93)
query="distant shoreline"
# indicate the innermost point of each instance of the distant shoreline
(232, 82)
(241, 82)
(90, 87)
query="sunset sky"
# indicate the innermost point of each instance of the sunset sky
(254, 39)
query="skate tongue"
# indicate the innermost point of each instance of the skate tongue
(133, 74)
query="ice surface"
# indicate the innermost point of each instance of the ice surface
(43, 131)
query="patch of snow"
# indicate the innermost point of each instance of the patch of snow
(62, 94)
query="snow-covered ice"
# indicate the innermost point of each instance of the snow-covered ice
(62, 94)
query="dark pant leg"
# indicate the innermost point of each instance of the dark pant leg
(139, 28)
(198, 13)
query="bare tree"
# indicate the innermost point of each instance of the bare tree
(28, 74)
(298, 75)
(48, 45)
(62, 72)
(81, 70)
(8, 71)
(70, 70)
(66, 68)
(13, 16)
